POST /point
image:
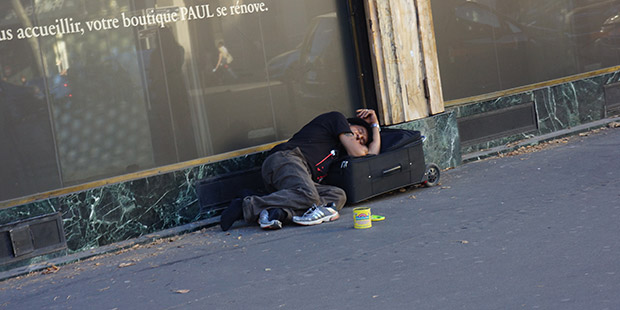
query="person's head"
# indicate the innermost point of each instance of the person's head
(361, 130)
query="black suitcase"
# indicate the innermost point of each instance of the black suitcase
(400, 163)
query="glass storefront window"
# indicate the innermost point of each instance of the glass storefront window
(492, 45)
(96, 89)
(28, 158)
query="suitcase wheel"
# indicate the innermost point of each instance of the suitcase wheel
(431, 176)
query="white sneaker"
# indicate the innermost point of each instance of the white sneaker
(318, 214)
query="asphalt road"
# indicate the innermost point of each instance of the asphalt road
(533, 231)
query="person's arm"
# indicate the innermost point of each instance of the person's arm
(352, 145)
(370, 116)
(219, 61)
(355, 147)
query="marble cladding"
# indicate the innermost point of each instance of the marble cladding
(442, 145)
(126, 210)
(557, 107)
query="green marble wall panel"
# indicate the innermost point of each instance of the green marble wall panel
(492, 105)
(557, 107)
(442, 145)
(126, 210)
(22, 212)
(570, 104)
(489, 106)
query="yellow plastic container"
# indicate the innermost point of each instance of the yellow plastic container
(361, 218)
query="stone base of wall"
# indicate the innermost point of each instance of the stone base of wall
(557, 107)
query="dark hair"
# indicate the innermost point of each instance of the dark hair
(360, 122)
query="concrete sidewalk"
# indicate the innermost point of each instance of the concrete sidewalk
(533, 231)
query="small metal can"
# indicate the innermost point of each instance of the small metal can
(361, 218)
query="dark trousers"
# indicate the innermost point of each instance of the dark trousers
(288, 178)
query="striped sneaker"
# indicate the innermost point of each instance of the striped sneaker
(318, 214)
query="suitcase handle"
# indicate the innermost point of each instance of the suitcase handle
(391, 170)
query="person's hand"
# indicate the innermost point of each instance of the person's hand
(214, 69)
(368, 115)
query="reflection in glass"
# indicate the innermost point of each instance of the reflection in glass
(287, 66)
(84, 107)
(27, 155)
(96, 96)
(490, 45)
(172, 133)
